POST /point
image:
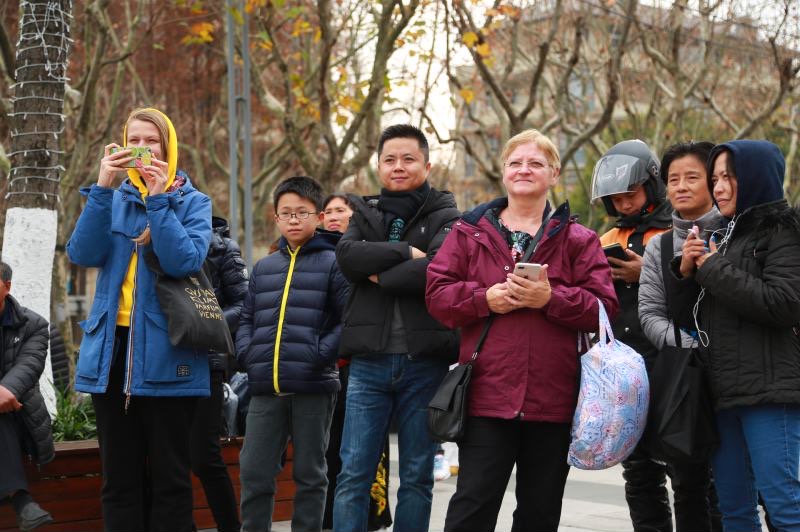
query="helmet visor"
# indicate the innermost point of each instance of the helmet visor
(615, 174)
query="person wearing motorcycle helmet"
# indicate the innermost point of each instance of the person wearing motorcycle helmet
(627, 181)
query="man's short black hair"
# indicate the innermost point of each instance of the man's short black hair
(5, 271)
(304, 186)
(700, 150)
(405, 131)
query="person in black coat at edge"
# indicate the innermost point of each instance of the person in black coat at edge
(24, 421)
(229, 279)
(748, 317)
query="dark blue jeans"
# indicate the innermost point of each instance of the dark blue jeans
(759, 452)
(382, 385)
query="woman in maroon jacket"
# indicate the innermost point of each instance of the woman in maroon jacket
(524, 382)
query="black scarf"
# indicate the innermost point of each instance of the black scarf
(403, 205)
(659, 217)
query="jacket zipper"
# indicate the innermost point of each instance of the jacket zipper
(129, 365)
(281, 316)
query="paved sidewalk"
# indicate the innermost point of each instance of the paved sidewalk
(593, 501)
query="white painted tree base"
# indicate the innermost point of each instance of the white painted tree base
(29, 245)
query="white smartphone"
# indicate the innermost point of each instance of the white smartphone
(528, 270)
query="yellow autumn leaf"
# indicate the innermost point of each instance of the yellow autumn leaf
(199, 33)
(470, 38)
(300, 27)
(266, 45)
(341, 120)
(483, 50)
(318, 35)
(467, 94)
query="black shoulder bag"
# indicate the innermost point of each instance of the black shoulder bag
(680, 426)
(447, 411)
(194, 317)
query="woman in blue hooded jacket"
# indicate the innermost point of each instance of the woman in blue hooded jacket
(143, 389)
(749, 326)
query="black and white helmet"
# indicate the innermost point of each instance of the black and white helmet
(624, 167)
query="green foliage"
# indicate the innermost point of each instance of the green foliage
(75, 419)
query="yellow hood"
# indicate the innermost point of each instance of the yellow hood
(172, 156)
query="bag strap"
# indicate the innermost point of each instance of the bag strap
(667, 242)
(532, 245)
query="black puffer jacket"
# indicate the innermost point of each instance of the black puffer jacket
(364, 251)
(294, 300)
(751, 306)
(24, 344)
(228, 271)
(228, 277)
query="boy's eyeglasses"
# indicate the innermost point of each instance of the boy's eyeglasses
(286, 216)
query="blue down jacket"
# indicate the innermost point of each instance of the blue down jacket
(288, 338)
(180, 225)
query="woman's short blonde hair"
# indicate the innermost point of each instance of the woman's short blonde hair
(541, 140)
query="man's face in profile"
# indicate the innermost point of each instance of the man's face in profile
(5, 288)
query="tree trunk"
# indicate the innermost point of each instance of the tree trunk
(36, 126)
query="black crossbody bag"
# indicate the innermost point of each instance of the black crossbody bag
(680, 425)
(447, 411)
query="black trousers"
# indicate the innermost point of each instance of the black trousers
(12, 472)
(486, 457)
(648, 502)
(145, 455)
(206, 456)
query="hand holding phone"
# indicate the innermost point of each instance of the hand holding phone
(617, 251)
(528, 270)
(143, 153)
(692, 248)
(534, 292)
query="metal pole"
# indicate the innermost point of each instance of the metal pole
(233, 129)
(247, 134)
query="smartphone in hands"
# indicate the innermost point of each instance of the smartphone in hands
(528, 270)
(616, 251)
(142, 153)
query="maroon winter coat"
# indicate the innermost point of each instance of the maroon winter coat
(529, 361)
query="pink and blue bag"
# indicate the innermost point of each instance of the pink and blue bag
(612, 401)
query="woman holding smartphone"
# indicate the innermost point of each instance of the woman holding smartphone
(523, 391)
(749, 317)
(143, 389)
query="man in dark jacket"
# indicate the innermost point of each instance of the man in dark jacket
(228, 276)
(24, 421)
(399, 352)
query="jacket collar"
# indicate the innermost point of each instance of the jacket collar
(321, 241)
(710, 221)
(18, 317)
(560, 217)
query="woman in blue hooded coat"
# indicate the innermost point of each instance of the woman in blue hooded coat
(749, 325)
(143, 389)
